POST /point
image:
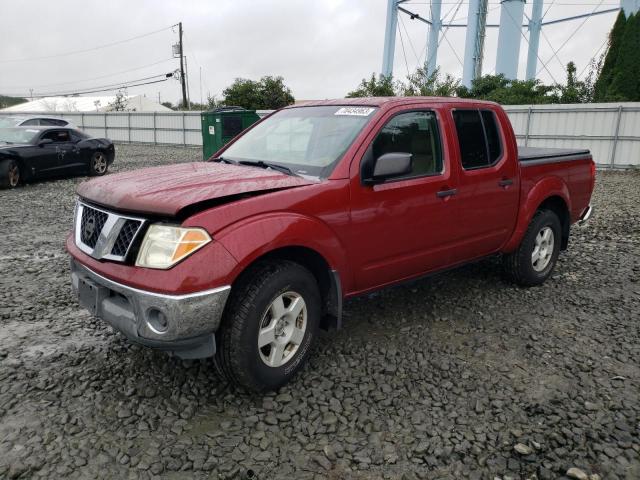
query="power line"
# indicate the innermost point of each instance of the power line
(403, 51)
(94, 78)
(75, 52)
(105, 88)
(570, 36)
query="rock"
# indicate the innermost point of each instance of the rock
(322, 461)
(523, 449)
(576, 474)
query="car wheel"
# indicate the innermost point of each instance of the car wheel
(534, 260)
(9, 174)
(269, 326)
(99, 164)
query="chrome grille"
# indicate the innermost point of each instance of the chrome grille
(125, 238)
(91, 225)
(104, 234)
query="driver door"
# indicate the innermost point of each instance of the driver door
(402, 227)
(57, 155)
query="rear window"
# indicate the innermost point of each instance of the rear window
(478, 138)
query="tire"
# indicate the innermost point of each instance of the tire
(10, 175)
(99, 164)
(271, 290)
(534, 260)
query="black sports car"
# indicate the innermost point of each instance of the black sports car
(29, 153)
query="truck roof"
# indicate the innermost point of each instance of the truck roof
(390, 101)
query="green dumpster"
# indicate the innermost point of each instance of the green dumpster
(222, 124)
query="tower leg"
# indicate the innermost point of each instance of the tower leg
(474, 42)
(390, 38)
(535, 25)
(434, 34)
(509, 38)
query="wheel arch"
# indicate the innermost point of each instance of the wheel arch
(328, 279)
(552, 193)
(557, 205)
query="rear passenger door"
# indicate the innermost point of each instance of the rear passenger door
(488, 184)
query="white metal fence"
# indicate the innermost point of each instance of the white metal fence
(610, 131)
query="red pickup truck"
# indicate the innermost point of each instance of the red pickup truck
(244, 257)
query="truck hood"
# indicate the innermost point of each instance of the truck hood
(167, 190)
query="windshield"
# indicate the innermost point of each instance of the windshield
(308, 140)
(18, 135)
(9, 121)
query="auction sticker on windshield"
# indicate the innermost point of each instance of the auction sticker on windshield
(357, 111)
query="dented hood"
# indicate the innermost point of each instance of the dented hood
(168, 189)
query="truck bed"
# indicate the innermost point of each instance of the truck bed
(537, 156)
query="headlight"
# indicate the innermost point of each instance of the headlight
(164, 246)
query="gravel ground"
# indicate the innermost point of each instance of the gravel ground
(458, 376)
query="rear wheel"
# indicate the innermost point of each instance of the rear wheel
(9, 174)
(98, 165)
(534, 260)
(269, 326)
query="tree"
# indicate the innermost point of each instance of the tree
(422, 84)
(499, 89)
(168, 105)
(120, 103)
(625, 82)
(574, 91)
(605, 78)
(265, 94)
(6, 101)
(383, 86)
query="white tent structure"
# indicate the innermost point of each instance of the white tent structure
(129, 103)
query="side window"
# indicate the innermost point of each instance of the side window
(30, 123)
(52, 122)
(75, 136)
(478, 138)
(415, 133)
(493, 136)
(58, 136)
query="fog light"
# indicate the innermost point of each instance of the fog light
(157, 321)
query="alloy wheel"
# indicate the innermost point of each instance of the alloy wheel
(542, 249)
(282, 329)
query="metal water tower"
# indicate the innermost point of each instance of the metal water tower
(511, 31)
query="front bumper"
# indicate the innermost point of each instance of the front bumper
(181, 324)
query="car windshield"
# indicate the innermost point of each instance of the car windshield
(307, 140)
(7, 121)
(18, 135)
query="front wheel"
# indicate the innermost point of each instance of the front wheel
(98, 164)
(269, 326)
(9, 174)
(532, 263)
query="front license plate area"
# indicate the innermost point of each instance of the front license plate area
(90, 295)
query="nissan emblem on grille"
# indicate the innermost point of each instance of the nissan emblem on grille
(104, 234)
(89, 227)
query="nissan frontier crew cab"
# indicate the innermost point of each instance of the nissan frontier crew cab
(244, 257)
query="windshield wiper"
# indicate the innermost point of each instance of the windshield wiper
(225, 160)
(273, 166)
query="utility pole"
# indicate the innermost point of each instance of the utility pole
(186, 70)
(182, 76)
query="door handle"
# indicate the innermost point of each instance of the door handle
(446, 193)
(505, 182)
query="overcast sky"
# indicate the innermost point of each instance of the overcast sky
(322, 48)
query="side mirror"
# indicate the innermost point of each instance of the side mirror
(390, 165)
(44, 141)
